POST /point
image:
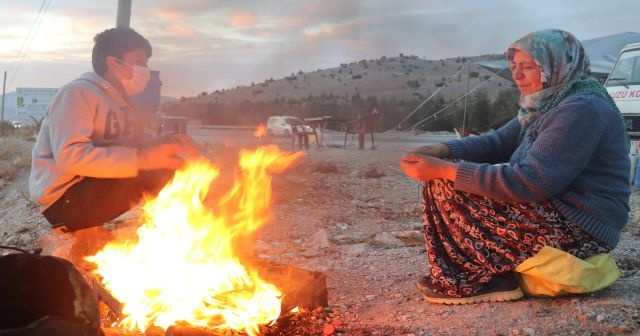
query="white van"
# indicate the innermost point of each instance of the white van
(282, 125)
(623, 85)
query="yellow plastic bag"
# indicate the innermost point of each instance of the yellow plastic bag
(552, 272)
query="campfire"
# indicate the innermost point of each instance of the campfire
(184, 266)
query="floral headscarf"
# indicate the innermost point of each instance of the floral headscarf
(564, 68)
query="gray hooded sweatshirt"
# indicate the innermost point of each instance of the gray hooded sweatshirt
(91, 130)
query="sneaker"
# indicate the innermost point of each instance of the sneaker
(500, 288)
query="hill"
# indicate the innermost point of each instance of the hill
(395, 86)
(399, 77)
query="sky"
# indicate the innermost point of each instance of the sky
(206, 45)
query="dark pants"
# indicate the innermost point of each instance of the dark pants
(94, 201)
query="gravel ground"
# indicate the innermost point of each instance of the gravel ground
(354, 216)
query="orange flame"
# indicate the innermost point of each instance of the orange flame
(183, 266)
(260, 131)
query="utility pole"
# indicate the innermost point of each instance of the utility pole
(124, 13)
(4, 83)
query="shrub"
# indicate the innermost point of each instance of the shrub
(413, 84)
(15, 154)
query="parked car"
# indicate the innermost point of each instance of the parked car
(282, 125)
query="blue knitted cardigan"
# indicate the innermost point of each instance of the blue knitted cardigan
(575, 155)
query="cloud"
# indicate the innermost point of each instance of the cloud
(203, 45)
(242, 19)
(167, 14)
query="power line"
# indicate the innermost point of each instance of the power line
(429, 98)
(35, 32)
(24, 42)
(434, 115)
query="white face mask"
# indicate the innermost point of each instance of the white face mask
(138, 80)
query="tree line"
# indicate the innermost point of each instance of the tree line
(439, 114)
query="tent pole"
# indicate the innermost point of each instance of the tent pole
(464, 115)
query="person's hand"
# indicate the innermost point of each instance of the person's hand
(190, 148)
(438, 150)
(425, 167)
(189, 145)
(161, 156)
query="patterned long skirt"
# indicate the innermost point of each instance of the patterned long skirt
(470, 238)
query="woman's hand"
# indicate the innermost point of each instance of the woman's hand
(425, 168)
(438, 150)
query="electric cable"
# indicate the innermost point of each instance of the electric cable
(24, 42)
(35, 32)
(421, 122)
(429, 98)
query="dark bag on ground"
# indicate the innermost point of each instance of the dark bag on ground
(45, 295)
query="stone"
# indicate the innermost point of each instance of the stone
(312, 252)
(369, 172)
(348, 239)
(12, 241)
(319, 240)
(410, 237)
(326, 168)
(354, 250)
(342, 226)
(386, 239)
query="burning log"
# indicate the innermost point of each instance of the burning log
(301, 288)
(186, 331)
(105, 297)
